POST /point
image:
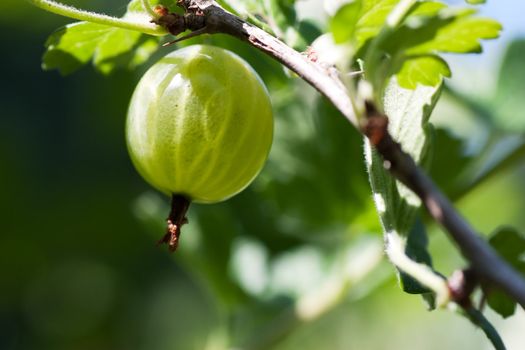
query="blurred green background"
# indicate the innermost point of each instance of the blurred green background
(294, 262)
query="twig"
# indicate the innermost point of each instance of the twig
(487, 264)
(175, 221)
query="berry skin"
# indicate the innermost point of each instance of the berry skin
(200, 124)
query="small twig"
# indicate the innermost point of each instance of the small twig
(186, 37)
(487, 264)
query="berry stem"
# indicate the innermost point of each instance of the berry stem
(137, 23)
(177, 218)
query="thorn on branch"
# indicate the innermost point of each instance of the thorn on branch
(186, 37)
(311, 54)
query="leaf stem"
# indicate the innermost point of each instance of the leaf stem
(481, 321)
(395, 249)
(137, 22)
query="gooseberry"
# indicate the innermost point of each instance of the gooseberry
(200, 125)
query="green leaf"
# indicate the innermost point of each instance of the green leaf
(508, 103)
(475, 2)
(448, 160)
(460, 33)
(510, 245)
(114, 43)
(343, 24)
(108, 47)
(416, 249)
(408, 112)
(426, 70)
(414, 46)
(372, 18)
(501, 303)
(411, 50)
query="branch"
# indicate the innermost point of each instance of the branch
(489, 267)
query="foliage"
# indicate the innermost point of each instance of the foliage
(408, 112)
(510, 244)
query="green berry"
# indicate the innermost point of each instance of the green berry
(200, 124)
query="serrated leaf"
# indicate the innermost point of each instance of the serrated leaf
(425, 70)
(408, 112)
(372, 15)
(461, 34)
(76, 44)
(508, 103)
(416, 45)
(411, 50)
(510, 245)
